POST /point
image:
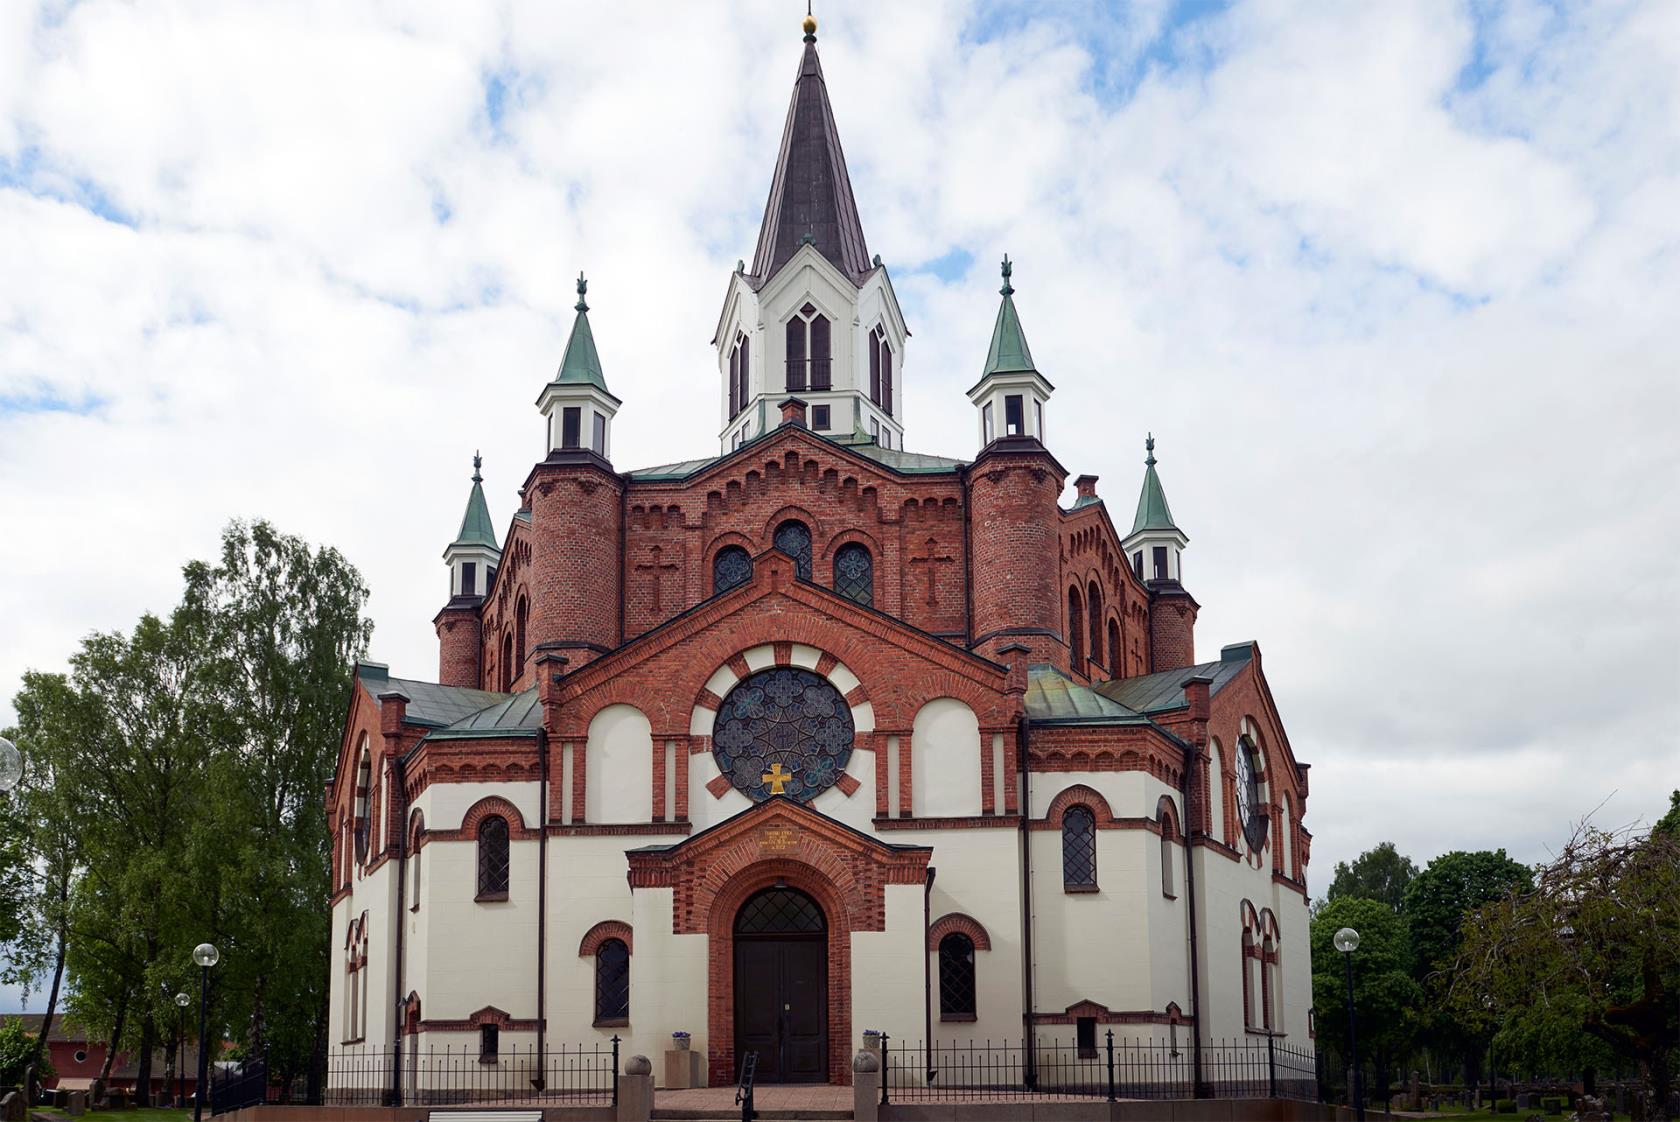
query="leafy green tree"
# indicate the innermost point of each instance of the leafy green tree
(17, 1052)
(1434, 907)
(1595, 940)
(284, 626)
(1380, 873)
(1384, 992)
(1669, 824)
(1451, 885)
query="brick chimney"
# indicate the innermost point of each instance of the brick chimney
(793, 412)
(1086, 485)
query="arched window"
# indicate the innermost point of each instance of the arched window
(1169, 838)
(363, 818)
(507, 661)
(881, 370)
(854, 574)
(809, 358)
(956, 978)
(612, 983)
(1249, 952)
(493, 858)
(794, 539)
(738, 366)
(732, 566)
(417, 830)
(1115, 670)
(1079, 849)
(520, 615)
(1076, 629)
(1094, 613)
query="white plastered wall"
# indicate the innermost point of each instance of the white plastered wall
(945, 760)
(477, 954)
(977, 874)
(618, 778)
(888, 976)
(668, 980)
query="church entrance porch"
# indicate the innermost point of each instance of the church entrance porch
(781, 986)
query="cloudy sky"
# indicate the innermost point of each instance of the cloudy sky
(1394, 285)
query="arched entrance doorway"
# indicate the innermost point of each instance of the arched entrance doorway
(781, 986)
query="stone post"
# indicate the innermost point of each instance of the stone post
(866, 1086)
(635, 1090)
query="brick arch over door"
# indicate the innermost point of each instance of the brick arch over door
(720, 940)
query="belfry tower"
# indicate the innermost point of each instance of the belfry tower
(816, 315)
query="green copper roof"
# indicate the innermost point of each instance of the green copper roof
(476, 527)
(581, 364)
(1009, 344)
(1152, 510)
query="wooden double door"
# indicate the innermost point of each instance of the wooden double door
(781, 986)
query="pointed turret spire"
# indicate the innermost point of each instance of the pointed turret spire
(476, 527)
(576, 406)
(1011, 394)
(811, 194)
(581, 364)
(1152, 510)
(1009, 351)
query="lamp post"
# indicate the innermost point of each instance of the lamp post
(206, 956)
(11, 765)
(181, 1003)
(1347, 941)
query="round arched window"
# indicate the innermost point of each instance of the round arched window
(783, 731)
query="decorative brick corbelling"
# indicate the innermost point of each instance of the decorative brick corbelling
(601, 932)
(960, 924)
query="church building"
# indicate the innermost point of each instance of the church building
(819, 734)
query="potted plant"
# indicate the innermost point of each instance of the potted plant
(680, 1041)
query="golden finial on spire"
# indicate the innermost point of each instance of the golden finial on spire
(810, 24)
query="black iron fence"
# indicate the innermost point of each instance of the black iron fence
(1062, 1067)
(410, 1076)
(239, 1086)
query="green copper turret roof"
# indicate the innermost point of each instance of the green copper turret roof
(476, 527)
(581, 364)
(1152, 510)
(1009, 344)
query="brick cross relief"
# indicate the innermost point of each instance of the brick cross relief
(658, 572)
(929, 559)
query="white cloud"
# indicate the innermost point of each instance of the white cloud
(1394, 289)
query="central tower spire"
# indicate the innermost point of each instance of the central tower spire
(811, 194)
(815, 317)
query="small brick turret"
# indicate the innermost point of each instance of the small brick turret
(576, 574)
(576, 577)
(1013, 487)
(1015, 545)
(472, 559)
(1155, 550)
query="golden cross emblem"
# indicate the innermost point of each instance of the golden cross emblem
(777, 777)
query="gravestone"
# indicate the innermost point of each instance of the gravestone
(13, 1108)
(77, 1103)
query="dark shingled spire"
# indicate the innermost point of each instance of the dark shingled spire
(811, 195)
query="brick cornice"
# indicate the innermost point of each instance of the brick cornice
(966, 822)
